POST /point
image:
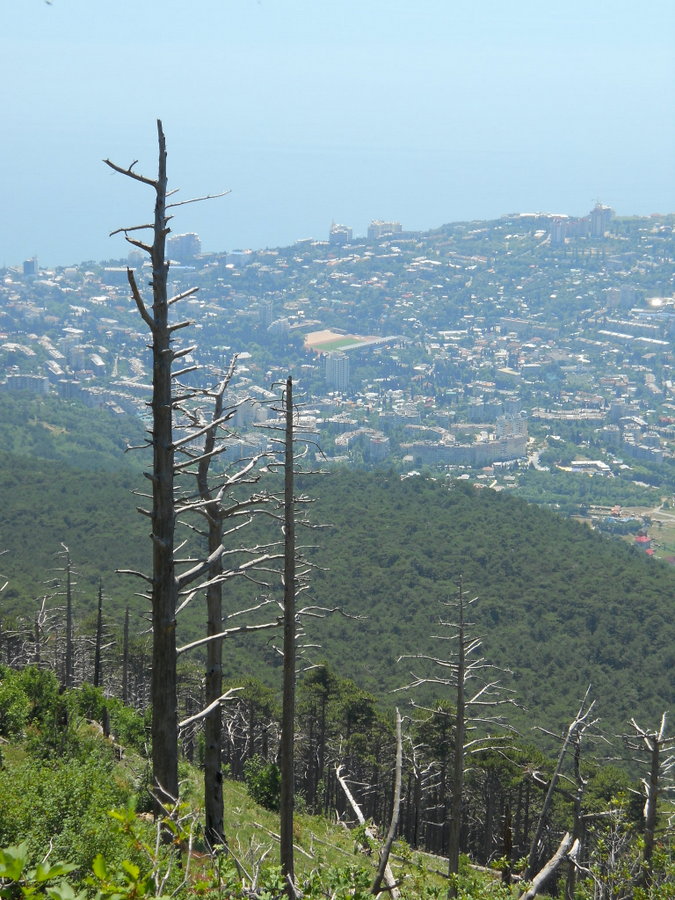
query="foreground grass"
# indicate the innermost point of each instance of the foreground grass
(321, 845)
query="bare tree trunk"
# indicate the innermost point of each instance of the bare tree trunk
(542, 876)
(570, 887)
(69, 661)
(287, 800)
(164, 588)
(507, 842)
(388, 877)
(396, 806)
(652, 789)
(55, 662)
(456, 807)
(125, 658)
(576, 727)
(213, 725)
(488, 694)
(99, 638)
(659, 747)
(170, 577)
(164, 591)
(40, 622)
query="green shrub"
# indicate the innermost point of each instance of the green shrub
(26, 696)
(42, 689)
(14, 706)
(62, 805)
(88, 701)
(18, 881)
(129, 727)
(263, 782)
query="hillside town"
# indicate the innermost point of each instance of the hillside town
(476, 348)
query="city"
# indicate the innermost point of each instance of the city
(492, 351)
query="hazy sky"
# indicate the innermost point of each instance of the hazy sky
(311, 111)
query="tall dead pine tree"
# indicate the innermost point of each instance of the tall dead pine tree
(163, 585)
(98, 639)
(171, 584)
(225, 513)
(68, 680)
(571, 739)
(474, 707)
(660, 750)
(287, 801)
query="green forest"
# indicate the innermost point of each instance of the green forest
(559, 610)
(559, 606)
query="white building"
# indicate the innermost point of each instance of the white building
(337, 370)
(378, 229)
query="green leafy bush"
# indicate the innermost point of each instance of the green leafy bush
(26, 695)
(63, 805)
(18, 880)
(14, 707)
(263, 782)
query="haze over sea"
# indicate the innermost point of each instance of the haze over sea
(423, 112)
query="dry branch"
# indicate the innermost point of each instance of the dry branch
(388, 875)
(544, 874)
(208, 709)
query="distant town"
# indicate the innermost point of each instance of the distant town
(477, 349)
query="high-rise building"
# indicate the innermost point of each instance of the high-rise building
(510, 426)
(183, 247)
(337, 370)
(34, 384)
(339, 234)
(600, 217)
(378, 229)
(558, 227)
(267, 313)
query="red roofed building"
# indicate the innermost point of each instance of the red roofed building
(644, 542)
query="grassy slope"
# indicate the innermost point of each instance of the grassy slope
(321, 845)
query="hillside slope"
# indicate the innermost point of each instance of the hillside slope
(559, 606)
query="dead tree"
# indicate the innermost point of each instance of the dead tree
(125, 656)
(660, 749)
(294, 580)
(214, 828)
(287, 800)
(69, 667)
(38, 632)
(472, 711)
(386, 876)
(17, 638)
(216, 504)
(165, 582)
(64, 587)
(98, 640)
(254, 563)
(549, 869)
(396, 807)
(572, 740)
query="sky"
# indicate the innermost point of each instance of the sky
(311, 112)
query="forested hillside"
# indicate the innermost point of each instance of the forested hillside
(559, 606)
(47, 428)
(45, 504)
